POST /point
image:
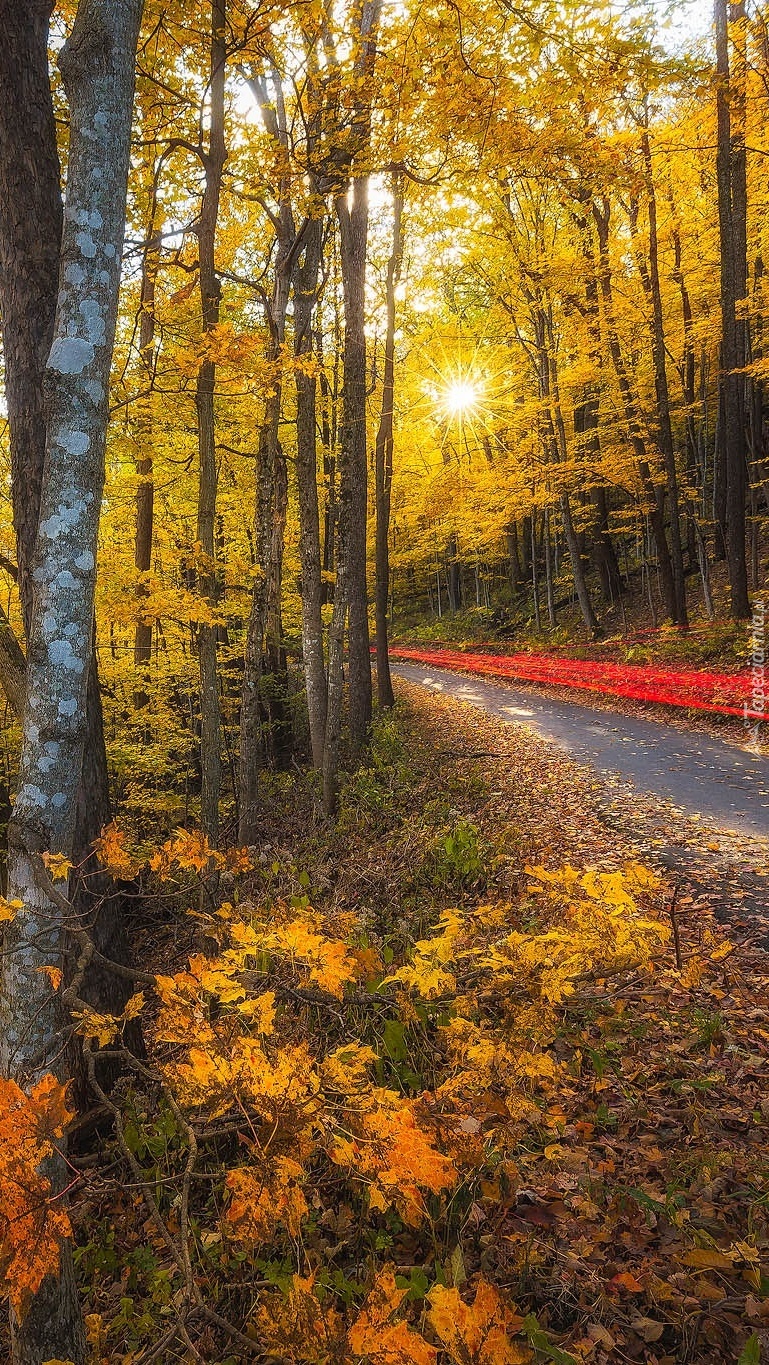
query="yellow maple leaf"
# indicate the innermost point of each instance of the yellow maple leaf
(260, 1012)
(261, 1198)
(376, 1336)
(479, 1333)
(9, 910)
(238, 860)
(58, 866)
(297, 1328)
(103, 1028)
(112, 851)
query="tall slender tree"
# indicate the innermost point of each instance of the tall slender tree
(205, 403)
(383, 453)
(730, 174)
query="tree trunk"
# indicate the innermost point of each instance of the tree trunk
(30, 241)
(514, 564)
(265, 654)
(586, 424)
(453, 574)
(210, 298)
(549, 596)
(97, 66)
(350, 594)
(30, 246)
(653, 491)
(651, 281)
(730, 173)
(384, 458)
(534, 580)
(305, 289)
(552, 395)
(353, 471)
(145, 492)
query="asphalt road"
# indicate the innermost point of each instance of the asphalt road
(728, 787)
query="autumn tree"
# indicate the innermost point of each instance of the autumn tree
(97, 65)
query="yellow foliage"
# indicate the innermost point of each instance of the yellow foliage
(102, 1028)
(478, 1333)
(9, 909)
(58, 866)
(395, 1155)
(189, 850)
(32, 1223)
(54, 975)
(427, 973)
(296, 1327)
(376, 1337)
(345, 1070)
(263, 1198)
(112, 851)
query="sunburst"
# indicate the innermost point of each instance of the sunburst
(460, 397)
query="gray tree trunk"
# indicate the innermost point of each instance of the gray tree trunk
(264, 651)
(383, 458)
(305, 289)
(654, 492)
(97, 67)
(205, 391)
(30, 247)
(730, 174)
(30, 241)
(353, 472)
(145, 492)
(652, 288)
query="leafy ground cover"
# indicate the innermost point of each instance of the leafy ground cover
(448, 1082)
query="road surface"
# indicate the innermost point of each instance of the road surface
(696, 808)
(727, 786)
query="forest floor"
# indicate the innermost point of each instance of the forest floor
(607, 1130)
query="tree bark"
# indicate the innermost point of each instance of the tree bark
(97, 67)
(205, 394)
(654, 493)
(553, 397)
(383, 457)
(730, 173)
(145, 492)
(651, 283)
(30, 246)
(30, 242)
(305, 291)
(264, 650)
(353, 472)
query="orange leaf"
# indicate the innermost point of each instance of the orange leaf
(478, 1333)
(382, 1341)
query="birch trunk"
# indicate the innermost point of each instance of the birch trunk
(97, 67)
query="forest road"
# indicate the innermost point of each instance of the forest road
(672, 791)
